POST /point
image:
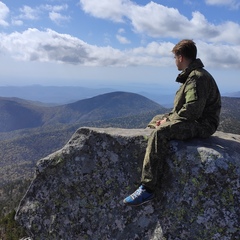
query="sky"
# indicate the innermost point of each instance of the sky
(120, 44)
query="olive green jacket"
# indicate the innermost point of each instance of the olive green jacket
(198, 98)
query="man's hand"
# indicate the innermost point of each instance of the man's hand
(159, 122)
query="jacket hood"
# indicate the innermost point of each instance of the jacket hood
(195, 64)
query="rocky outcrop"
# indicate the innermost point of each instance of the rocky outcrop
(77, 192)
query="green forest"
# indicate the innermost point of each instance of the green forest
(11, 195)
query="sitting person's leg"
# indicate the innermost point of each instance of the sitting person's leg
(155, 156)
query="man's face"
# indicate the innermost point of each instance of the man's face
(178, 61)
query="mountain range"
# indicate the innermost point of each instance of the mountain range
(31, 130)
(17, 114)
(59, 95)
(20, 114)
(51, 95)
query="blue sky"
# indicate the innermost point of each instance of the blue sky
(119, 43)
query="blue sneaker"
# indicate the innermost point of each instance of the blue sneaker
(139, 197)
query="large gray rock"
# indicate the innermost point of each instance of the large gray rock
(77, 192)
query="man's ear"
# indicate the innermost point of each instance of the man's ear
(180, 58)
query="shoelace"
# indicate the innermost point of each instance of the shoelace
(137, 193)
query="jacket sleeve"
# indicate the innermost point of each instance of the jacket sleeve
(194, 100)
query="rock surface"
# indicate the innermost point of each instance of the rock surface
(77, 192)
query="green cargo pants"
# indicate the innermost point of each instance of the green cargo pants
(158, 145)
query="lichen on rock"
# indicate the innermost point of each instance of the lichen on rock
(77, 192)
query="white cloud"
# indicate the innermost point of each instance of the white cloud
(53, 11)
(121, 30)
(28, 13)
(219, 2)
(160, 21)
(156, 20)
(55, 8)
(230, 33)
(17, 22)
(58, 18)
(59, 8)
(114, 9)
(122, 39)
(234, 4)
(50, 46)
(219, 55)
(55, 14)
(4, 11)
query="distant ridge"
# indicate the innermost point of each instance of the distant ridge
(108, 106)
(51, 94)
(18, 113)
(234, 94)
(58, 95)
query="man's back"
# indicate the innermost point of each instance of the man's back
(198, 98)
(210, 92)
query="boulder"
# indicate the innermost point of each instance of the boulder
(77, 192)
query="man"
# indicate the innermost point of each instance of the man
(196, 113)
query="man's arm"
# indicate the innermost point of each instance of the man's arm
(195, 94)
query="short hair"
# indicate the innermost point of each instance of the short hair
(186, 48)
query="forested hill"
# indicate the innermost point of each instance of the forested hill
(19, 114)
(230, 115)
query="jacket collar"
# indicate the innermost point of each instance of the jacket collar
(195, 64)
